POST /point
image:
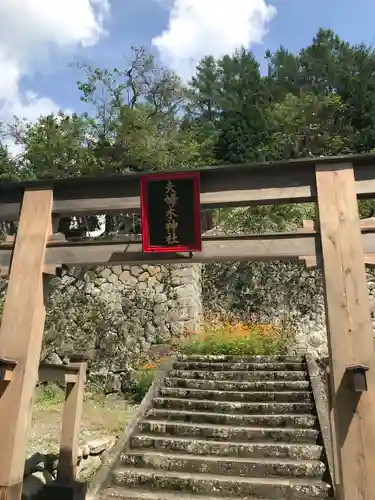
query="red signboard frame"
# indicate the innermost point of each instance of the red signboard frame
(145, 180)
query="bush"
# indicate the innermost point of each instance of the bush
(49, 395)
(235, 339)
(143, 381)
(144, 378)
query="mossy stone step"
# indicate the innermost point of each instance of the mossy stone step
(221, 358)
(268, 408)
(195, 446)
(233, 466)
(239, 375)
(122, 493)
(283, 396)
(305, 421)
(239, 366)
(229, 432)
(272, 488)
(229, 428)
(233, 385)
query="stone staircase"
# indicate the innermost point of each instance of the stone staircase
(228, 428)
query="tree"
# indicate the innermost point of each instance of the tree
(9, 170)
(331, 66)
(306, 126)
(204, 91)
(55, 146)
(283, 73)
(136, 124)
(230, 96)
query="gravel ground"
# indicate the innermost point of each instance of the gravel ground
(102, 416)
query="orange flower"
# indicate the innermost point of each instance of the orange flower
(149, 366)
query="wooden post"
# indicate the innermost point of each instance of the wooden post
(21, 336)
(67, 466)
(332, 429)
(350, 335)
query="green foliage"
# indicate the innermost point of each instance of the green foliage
(55, 147)
(266, 217)
(137, 124)
(331, 67)
(8, 168)
(307, 125)
(142, 382)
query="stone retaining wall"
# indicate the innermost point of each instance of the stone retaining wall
(284, 293)
(120, 314)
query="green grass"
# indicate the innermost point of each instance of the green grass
(49, 395)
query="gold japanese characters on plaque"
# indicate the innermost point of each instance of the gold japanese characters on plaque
(170, 205)
(171, 223)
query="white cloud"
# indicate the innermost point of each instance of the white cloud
(30, 33)
(210, 27)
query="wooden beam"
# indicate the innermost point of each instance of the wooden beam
(7, 367)
(57, 373)
(274, 246)
(350, 334)
(219, 188)
(312, 263)
(48, 270)
(21, 335)
(364, 179)
(230, 185)
(249, 247)
(10, 238)
(370, 260)
(282, 246)
(253, 247)
(67, 466)
(309, 262)
(310, 225)
(364, 224)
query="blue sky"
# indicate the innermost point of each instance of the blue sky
(38, 77)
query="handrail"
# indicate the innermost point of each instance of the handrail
(74, 376)
(49, 372)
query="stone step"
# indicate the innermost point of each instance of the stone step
(239, 366)
(272, 488)
(266, 408)
(306, 421)
(229, 432)
(213, 395)
(221, 358)
(233, 466)
(205, 447)
(232, 385)
(239, 375)
(122, 493)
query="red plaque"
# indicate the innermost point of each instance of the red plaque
(171, 220)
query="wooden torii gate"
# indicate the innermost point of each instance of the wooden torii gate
(313, 263)
(334, 183)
